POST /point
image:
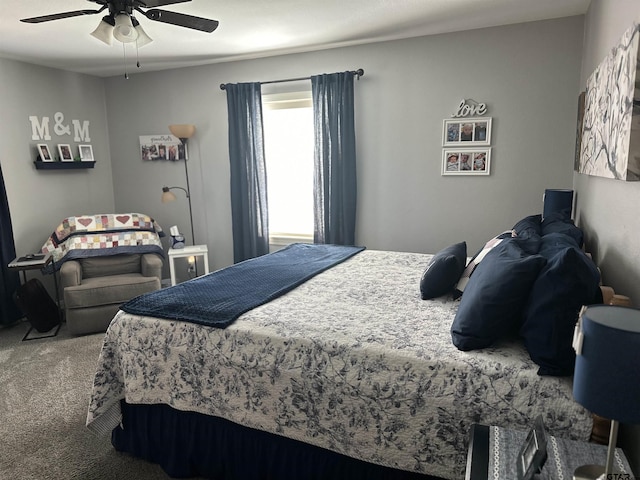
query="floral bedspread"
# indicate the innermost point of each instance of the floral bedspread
(352, 360)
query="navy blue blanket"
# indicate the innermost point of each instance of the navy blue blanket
(219, 298)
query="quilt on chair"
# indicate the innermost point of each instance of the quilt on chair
(101, 235)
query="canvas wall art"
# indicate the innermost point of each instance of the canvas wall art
(610, 145)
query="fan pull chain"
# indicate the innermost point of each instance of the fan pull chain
(124, 61)
(137, 55)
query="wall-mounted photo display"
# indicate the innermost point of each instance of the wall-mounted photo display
(467, 131)
(466, 161)
(161, 147)
(86, 153)
(44, 153)
(64, 149)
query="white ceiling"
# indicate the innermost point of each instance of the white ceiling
(251, 28)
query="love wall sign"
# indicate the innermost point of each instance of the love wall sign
(472, 109)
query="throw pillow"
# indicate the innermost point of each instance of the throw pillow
(529, 226)
(494, 298)
(561, 222)
(443, 271)
(568, 281)
(475, 261)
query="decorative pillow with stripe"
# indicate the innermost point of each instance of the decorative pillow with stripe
(475, 261)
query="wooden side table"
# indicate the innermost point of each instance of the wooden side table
(190, 251)
(30, 262)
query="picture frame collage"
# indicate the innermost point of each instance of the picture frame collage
(65, 153)
(162, 147)
(466, 143)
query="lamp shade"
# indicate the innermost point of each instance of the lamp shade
(557, 201)
(607, 374)
(182, 130)
(124, 30)
(142, 39)
(167, 195)
(104, 31)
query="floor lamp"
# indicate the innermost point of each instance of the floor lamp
(169, 196)
(183, 132)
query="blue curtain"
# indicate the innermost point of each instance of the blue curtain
(9, 280)
(335, 159)
(249, 211)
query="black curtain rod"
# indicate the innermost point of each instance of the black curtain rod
(359, 73)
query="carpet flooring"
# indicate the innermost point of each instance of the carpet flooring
(45, 386)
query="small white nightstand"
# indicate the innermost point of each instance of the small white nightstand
(191, 251)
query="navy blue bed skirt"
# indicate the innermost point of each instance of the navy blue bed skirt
(189, 444)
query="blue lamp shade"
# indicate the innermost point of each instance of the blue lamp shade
(607, 374)
(557, 201)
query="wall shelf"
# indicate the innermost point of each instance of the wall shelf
(40, 165)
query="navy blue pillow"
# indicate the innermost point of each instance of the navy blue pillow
(561, 222)
(568, 281)
(494, 298)
(529, 226)
(529, 231)
(443, 271)
(475, 261)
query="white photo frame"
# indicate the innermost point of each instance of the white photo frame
(64, 149)
(86, 153)
(44, 153)
(466, 132)
(466, 161)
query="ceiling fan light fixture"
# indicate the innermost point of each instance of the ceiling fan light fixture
(104, 30)
(124, 31)
(143, 39)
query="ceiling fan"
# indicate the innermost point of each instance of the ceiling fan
(122, 25)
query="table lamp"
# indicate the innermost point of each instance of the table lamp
(607, 375)
(555, 200)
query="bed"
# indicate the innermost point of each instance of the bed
(350, 374)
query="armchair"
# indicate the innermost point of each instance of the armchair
(95, 287)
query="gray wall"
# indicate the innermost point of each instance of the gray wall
(39, 199)
(527, 74)
(607, 209)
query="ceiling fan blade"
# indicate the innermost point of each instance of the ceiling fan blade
(180, 19)
(59, 16)
(160, 3)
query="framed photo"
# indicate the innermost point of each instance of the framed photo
(64, 149)
(533, 453)
(86, 153)
(466, 161)
(44, 153)
(466, 131)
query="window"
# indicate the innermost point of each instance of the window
(288, 143)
